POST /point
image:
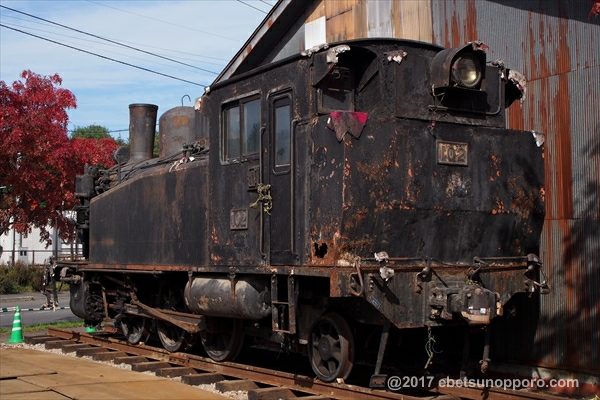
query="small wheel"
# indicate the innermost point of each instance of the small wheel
(331, 348)
(135, 329)
(224, 338)
(171, 337)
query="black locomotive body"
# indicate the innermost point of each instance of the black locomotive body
(362, 185)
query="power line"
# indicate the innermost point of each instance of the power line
(104, 57)
(162, 20)
(139, 44)
(263, 1)
(110, 41)
(251, 6)
(12, 25)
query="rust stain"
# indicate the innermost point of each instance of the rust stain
(531, 72)
(495, 162)
(516, 119)
(180, 121)
(471, 23)
(562, 121)
(523, 202)
(325, 245)
(456, 39)
(499, 208)
(447, 42)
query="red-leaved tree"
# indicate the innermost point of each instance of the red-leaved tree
(93, 152)
(38, 162)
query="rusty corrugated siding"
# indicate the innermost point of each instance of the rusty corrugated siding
(557, 46)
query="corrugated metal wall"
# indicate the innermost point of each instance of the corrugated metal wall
(352, 19)
(556, 44)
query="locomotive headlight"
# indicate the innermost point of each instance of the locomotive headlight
(456, 69)
(467, 71)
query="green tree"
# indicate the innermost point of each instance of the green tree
(156, 149)
(91, 132)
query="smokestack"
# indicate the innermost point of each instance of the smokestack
(142, 128)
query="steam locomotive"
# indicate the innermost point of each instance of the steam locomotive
(364, 186)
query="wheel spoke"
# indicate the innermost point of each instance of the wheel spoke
(336, 354)
(331, 366)
(331, 348)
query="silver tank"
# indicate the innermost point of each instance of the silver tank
(247, 298)
(176, 127)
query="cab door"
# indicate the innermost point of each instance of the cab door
(278, 169)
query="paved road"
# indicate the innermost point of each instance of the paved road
(34, 300)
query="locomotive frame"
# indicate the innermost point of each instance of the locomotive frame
(367, 183)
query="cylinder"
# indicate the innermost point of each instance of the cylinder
(246, 298)
(176, 128)
(142, 128)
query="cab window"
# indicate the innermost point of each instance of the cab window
(240, 129)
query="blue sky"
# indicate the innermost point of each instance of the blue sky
(202, 33)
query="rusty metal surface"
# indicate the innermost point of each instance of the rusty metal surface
(555, 44)
(453, 199)
(146, 220)
(142, 127)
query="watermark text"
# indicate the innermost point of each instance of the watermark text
(396, 383)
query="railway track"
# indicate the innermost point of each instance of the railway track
(261, 383)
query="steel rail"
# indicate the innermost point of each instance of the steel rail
(241, 371)
(288, 380)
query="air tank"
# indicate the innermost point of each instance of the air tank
(246, 298)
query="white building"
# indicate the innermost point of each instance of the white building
(30, 249)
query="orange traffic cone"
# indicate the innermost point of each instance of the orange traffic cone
(16, 335)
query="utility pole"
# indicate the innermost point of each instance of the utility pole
(14, 245)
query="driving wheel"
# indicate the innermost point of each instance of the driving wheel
(224, 338)
(171, 337)
(331, 348)
(135, 329)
